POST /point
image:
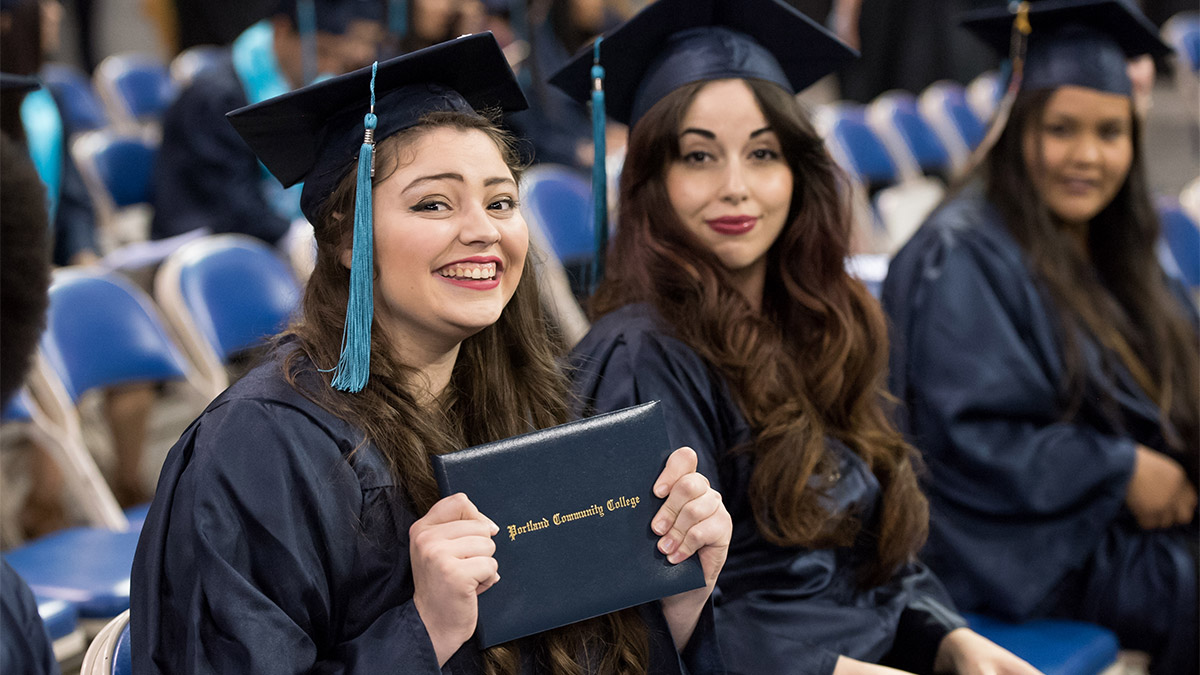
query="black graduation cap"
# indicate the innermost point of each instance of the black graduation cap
(1073, 42)
(330, 16)
(18, 84)
(675, 42)
(317, 134)
(313, 134)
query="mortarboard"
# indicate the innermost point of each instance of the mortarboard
(676, 42)
(18, 84)
(315, 134)
(1086, 43)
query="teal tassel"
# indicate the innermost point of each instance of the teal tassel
(354, 364)
(599, 173)
(306, 24)
(398, 19)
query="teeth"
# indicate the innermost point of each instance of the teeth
(469, 271)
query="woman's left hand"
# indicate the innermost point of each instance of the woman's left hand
(693, 520)
(966, 652)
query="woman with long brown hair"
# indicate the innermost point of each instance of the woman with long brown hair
(1049, 368)
(726, 297)
(298, 526)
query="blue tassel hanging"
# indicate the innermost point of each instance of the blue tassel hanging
(354, 364)
(599, 174)
(306, 24)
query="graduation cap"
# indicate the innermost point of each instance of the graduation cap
(672, 43)
(1086, 43)
(316, 133)
(18, 84)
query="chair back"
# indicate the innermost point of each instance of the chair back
(80, 106)
(894, 118)
(102, 331)
(118, 170)
(984, 94)
(944, 105)
(109, 653)
(1182, 237)
(224, 294)
(855, 146)
(1182, 32)
(1053, 646)
(136, 88)
(192, 61)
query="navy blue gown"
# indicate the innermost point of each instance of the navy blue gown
(278, 543)
(205, 175)
(1028, 508)
(778, 610)
(24, 645)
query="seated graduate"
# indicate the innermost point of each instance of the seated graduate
(297, 525)
(205, 176)
(1048, 366)
(726, 297)
(24, 277)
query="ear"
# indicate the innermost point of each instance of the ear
(346, 256)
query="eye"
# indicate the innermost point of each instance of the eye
(1058, 129)
(431, 205)
(503, 204)
(697, 157)
(1112, 132)
(764, 154)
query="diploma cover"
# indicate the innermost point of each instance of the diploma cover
(574, 504)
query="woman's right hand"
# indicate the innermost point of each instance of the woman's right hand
(1159, 494)
(451, 549)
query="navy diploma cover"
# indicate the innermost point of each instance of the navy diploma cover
(574, 504)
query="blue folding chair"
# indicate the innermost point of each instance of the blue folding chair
(1182, 31)
(855, 146)
(984, 94)
(80, 106)
(1053, 646)
(110, 653)
(118, 170)
(556, 202)
(895, 119)
(136, 88)
(1182, 238)
(944, 105)
(61, 619)
(224, 294)
(192, 61)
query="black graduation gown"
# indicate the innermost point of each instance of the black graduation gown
(24, 645)
(269, 549)
(778, 610)
(1028, 514)
(205, 175)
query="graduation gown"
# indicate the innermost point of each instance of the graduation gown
(1028, 508)
(778, 610)
(205, 175)
(24, 645)
(278, 543)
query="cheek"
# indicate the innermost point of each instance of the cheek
(687, 192)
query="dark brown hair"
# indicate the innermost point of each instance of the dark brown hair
(1116, 294)
(507, 380)
(809, 366)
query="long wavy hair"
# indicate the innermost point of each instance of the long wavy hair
(809, 366)
(1116, 295)
(507, 380)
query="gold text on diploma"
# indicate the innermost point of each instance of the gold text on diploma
(560, 518)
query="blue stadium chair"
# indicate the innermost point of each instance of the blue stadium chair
(81, 107)
(136, 88)
(192, 61)
(1053, 646)
(944, 105)
(984, 94)
(557, 205)
(109, 653)
(894, 117)
(224, 294)
(855, 146)
(1182, 31)
(1182, 237)
(61, 619)
(118, 170)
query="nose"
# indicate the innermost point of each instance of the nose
(733, 189)
(478, 228)
(1087, 150)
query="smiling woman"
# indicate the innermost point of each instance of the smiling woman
(298, 526)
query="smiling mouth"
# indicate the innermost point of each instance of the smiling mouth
(733, 224)
(469, 271)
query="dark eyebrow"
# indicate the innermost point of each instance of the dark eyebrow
(761, 131)
(711, 136)
(497, 180)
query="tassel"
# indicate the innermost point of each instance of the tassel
(306, 24)
(354, 364)
(599, 173)
(1019, 42)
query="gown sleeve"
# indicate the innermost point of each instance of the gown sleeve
(248, 549)
(24, 645)
(206, 176)
(1010, 478)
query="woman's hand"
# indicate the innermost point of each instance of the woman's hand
(1159, 494)
(966, 652)
(692, 520)
(451, 549)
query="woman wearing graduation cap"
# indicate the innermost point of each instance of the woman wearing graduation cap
(1049, 368)
(726, 297)
(297, 525)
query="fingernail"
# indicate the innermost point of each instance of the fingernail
(666, 544)
(660, 490)
(659, 526)
(495, 527)
(675, 558)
